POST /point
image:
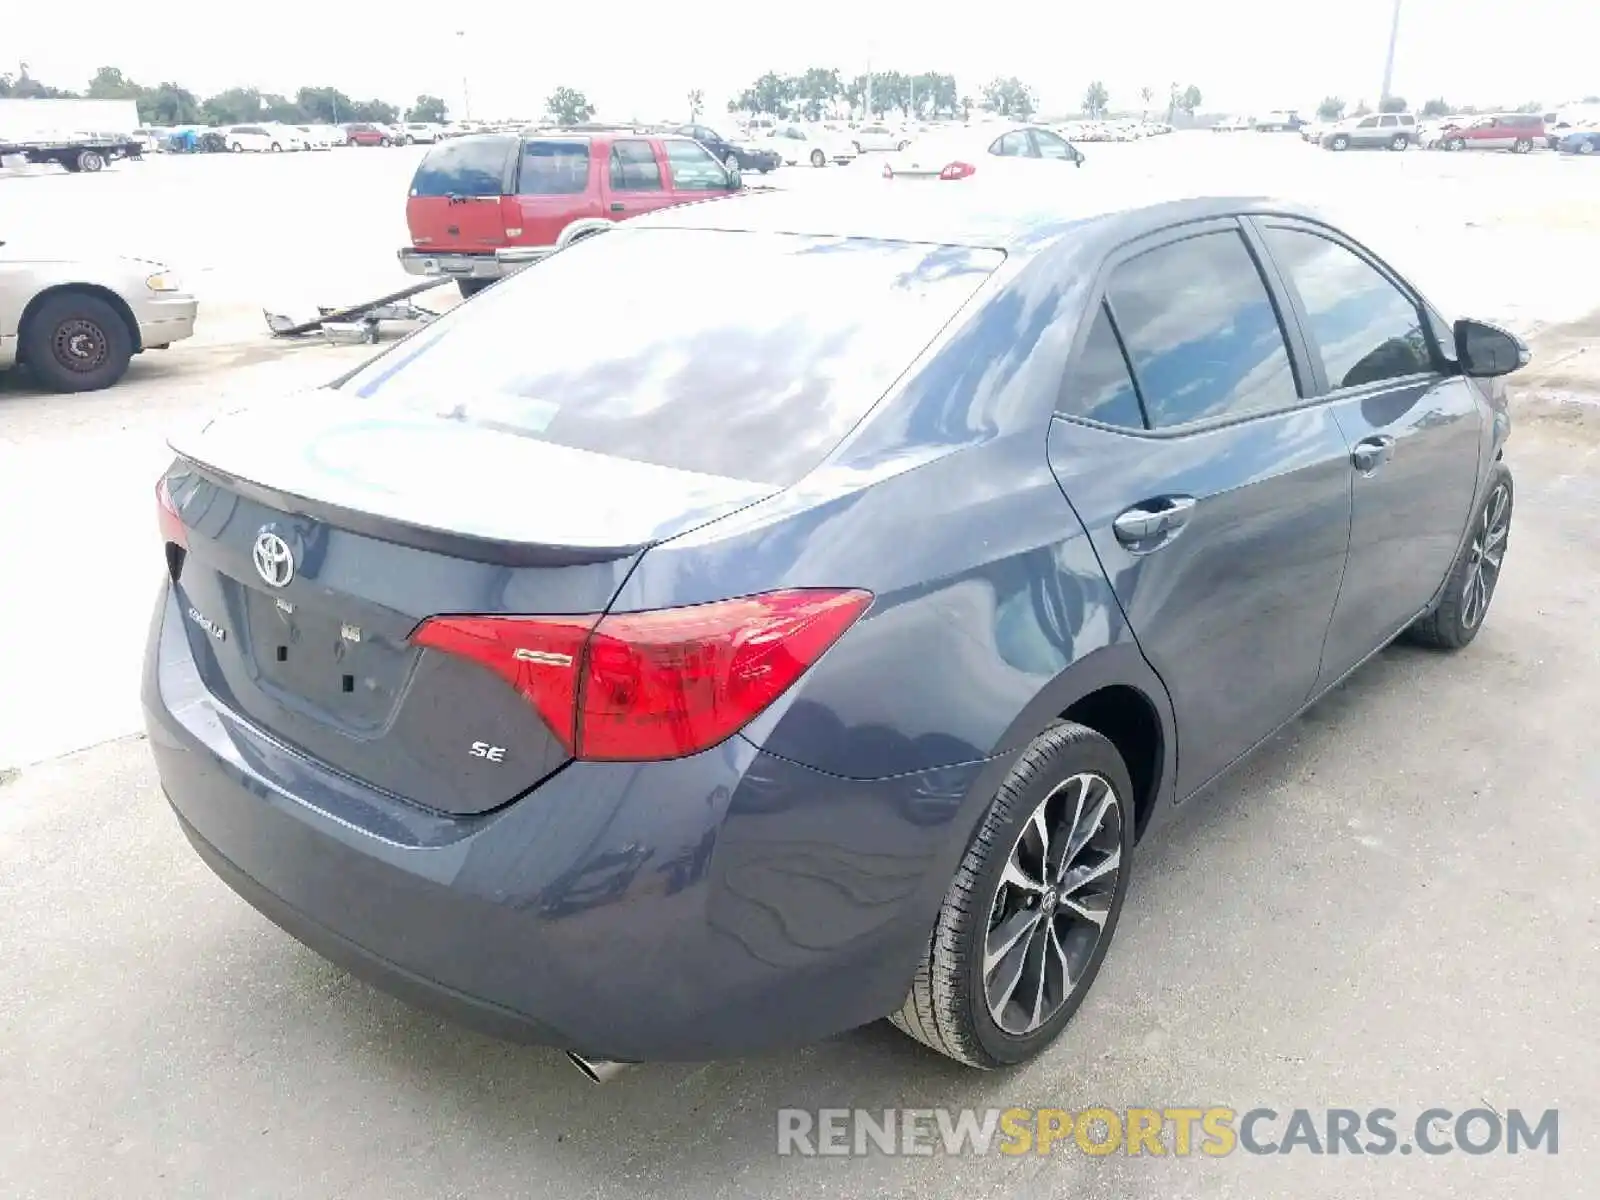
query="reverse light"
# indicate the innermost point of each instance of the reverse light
(171, 524)
(659, 684)
(958, 170)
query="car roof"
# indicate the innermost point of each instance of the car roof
(1005, 217)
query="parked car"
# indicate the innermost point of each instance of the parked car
(796, 144)
(367, 133)
(732, 155)
(958, 153)
(322, 137)
(879, 137)
(1389, 131)
(1280, 121)
(271, 138)
(1517, 132)
(152, 139)
(481, 207)
(425, 132)
(525, 601)
(1233, 125)
(1580, 141)
(76, 322)
(1432, 132)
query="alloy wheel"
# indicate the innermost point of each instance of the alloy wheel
(1484, 559)
(1050, 909)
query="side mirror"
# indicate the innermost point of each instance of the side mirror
(1486, 351)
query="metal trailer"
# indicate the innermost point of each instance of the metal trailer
(75, 154)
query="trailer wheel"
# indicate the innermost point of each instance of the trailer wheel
(75, 342)
(90, 160)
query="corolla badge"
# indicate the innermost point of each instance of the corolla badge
(273, 558)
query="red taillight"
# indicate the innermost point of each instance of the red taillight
(654, 685)
(167, 517)
(957, 170)
(539, 656)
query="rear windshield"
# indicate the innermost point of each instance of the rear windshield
(653, 345)
(464, 167)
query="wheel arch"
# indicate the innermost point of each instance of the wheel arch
(578, 230)
(117, 303)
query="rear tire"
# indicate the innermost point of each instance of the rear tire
(75, 342)
(1474, 576)
(1399, 142)
(237, 148)
(1585, 147)
(1069, 771)
(1522, 146)
(1341, 143)
(471, 287)
(818, 159)
(731, 163)
(1455, 144)
(385, 142)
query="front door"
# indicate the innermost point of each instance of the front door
(693, 173)
(1414, 433)
(1217, 498)
(636, 181)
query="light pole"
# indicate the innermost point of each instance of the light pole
(466, 93)
(1388, 63)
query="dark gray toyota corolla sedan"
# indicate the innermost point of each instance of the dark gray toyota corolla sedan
(768, 616)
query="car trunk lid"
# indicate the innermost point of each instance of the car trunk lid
(311, 560)
(454, 205)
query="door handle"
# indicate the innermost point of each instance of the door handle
(1371, 453)
(615, 207)
(1154, 521)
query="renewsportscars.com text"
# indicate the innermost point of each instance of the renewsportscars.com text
(1209, 1132)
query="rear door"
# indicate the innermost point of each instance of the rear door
(1217, 498)
(557, 183)
(1414, 431)
(455, 199)
(635, 179)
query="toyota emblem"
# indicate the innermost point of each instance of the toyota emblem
(274, 561)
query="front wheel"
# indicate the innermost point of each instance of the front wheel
(1458, 616)
(76, 343)
(385, 142)
(1454, 144)
(276, 148)
(1027, 921)
(818, 159)
(1585, 147)
(90, 160)
(237, 147)
(731, 162)
(1522, 146)
(1341, 143)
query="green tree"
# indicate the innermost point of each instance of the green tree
(235, 106)
(169, 104)
(380, 112)
(935, 93)
(1191, 100)
(1532, 106)
(568, 106)
(1145, 96)
(109, 83)
(815, 91)
(1362, 109)
(1009, 97)
(966, 108)
(280, 108)
(1393, 104)
(697, 104)
(23, 86)
(1095, 99)
(1436, 108)
(428, 108)
(326, 105)
(1331, 108)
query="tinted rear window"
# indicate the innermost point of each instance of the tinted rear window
(463, 167)
(652, 344)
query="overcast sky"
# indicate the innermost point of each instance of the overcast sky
(640, 59)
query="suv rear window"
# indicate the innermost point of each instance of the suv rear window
(636, 344)
(463, 167)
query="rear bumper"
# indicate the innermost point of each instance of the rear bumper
(494, 265)
(711, 906)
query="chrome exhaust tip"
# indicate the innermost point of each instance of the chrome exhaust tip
(597, 1070)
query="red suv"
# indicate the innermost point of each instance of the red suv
(364, 133)
(483, 206)
(1517, 132)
